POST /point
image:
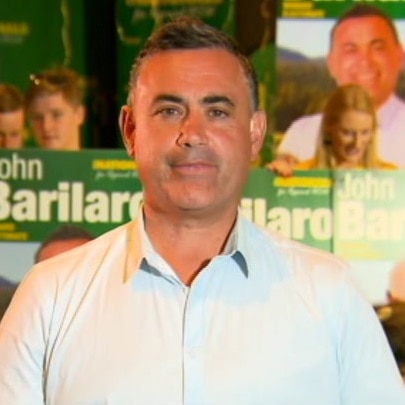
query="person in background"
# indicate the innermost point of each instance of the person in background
(55, 108)
(348, 137)
(12, 117)
(392, 317)
(396, 286)
(364, 49)
(63, 238)
(190, 302)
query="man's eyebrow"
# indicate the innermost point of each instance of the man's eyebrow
(377, 40)
(215, 99)
(168, 97)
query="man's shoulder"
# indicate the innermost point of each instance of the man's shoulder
(83, 260)
(398, 102)
(298, 257)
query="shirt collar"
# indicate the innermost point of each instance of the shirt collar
(387, 111)
(138, 245)
(134, 247)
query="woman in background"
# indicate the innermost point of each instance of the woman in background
(348, 136)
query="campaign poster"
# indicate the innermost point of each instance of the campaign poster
(307, 75)
(43, 189)
(370, 225)
(356, 214)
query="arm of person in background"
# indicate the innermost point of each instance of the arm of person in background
(298, 144)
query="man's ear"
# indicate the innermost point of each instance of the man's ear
(127, 128)
(80, 112)
(258, 126)
(331, 63)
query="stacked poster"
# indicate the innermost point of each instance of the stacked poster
(357, 214)
(324, 44)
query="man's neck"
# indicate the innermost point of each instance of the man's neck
(189, 244)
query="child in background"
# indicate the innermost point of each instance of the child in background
(55, 107)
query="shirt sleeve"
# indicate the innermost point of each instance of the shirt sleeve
(368, 371)
(23, 337)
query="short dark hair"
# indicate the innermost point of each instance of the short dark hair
(57, 80)
(63, 233)
(11, 98)
(191, 33)
(364, 10)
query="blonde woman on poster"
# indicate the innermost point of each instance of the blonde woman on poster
(348, 134)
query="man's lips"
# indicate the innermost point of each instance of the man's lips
(194, 161)
(194, 167)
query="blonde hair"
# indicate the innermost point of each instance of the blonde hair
(343, 99)
(54, 81)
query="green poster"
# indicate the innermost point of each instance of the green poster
(358, 215)
(298, 207)
(40, 189)
(38, 34)
(369, 215)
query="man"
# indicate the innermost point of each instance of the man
(12, 120)
(55, 108)
(365, 50)
(63, 238)
(190, 302)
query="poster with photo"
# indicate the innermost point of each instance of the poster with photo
(357, 214)
(325, 44)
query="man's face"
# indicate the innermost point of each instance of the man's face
(192, 131)
(352, 137)
(12, 129)
(364, 52)
(55, 122)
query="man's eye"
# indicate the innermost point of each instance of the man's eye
(378, 46)
(216, 113)
(168, 111)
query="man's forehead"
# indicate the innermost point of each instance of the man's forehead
(374, 26)
(197, 61)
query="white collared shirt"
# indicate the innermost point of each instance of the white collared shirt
(300, 138)
(271, 322)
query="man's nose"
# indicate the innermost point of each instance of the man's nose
(47, 123)
(365, 57)
(192, 131)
